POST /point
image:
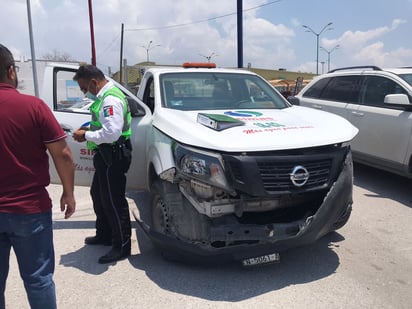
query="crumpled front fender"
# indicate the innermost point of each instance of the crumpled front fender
(336, 205)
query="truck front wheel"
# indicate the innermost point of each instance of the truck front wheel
(343, 219)
(163, 195)
(158, 211)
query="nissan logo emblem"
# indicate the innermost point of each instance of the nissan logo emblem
(299, 176)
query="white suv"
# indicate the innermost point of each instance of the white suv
(378, 102)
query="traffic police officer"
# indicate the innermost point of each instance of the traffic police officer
(109, 136)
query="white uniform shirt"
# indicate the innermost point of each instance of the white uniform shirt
(111, 118)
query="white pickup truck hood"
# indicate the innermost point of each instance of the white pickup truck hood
(262, 129)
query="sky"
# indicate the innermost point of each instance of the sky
(363, 32)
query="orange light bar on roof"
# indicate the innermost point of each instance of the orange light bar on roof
(209, 65)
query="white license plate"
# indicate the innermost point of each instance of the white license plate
(264, 259)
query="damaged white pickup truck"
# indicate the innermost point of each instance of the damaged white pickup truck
(234, 171)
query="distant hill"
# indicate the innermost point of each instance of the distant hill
(281, 74)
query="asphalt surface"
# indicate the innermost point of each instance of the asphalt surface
(366, 264)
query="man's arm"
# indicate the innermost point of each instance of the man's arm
(63, 160)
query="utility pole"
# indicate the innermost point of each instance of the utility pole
(92, 33)
(121, 54)
(239, 34)
(33, 56)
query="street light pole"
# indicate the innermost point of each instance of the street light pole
(210, 56)
(323, 66)
(148, 48)
(309, 29)
(329, 52)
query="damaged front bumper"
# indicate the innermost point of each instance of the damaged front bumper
(258, 240)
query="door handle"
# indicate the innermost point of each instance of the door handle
(66, 128)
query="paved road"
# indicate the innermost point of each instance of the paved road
(367, 264)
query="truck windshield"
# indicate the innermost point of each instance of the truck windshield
(211, 91)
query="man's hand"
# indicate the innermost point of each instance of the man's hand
(67, 204)
(78, 135)
(63, 161)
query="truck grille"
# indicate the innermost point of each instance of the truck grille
(276, 176)
(260, 174)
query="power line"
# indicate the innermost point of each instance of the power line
(184, 24)
(201, 21)
(110, 45)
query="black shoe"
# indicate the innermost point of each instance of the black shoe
(114, 255)
(94, 240)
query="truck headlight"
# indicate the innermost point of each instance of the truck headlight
(201, 165)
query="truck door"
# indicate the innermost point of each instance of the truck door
(71, 109)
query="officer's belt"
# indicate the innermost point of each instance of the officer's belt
(122, 142)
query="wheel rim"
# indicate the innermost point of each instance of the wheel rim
(160, 217)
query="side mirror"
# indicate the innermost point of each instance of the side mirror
(135, 109)
(398, 99)
(293, 100)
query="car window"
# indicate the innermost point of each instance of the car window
(148, 96)
(375, 88)
(316, 89)
(342, 89)
(216, 90)
(68, 96)
(407, 78)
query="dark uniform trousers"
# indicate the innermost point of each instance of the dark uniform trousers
(108, 195)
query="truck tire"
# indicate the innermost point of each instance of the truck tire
(342, 220)
(163, 194)
(159, 210)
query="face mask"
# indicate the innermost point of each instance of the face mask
(90, 96)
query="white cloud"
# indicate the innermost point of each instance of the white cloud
(296, 23)
(376, 55)
(308, 67)
(368, 47)
(267, 44)
(356, 39)
(397, 22)
(205, 27)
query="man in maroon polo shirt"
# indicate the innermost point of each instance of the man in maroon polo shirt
(27, 130)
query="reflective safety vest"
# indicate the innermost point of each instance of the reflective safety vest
(95, 108)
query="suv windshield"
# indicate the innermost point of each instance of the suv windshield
(407, 78)
(207, 91)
